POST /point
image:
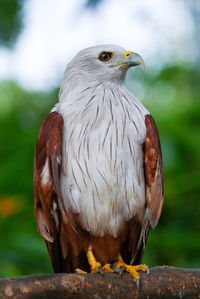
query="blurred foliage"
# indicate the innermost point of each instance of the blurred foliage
(10, 21)
(173, 97)
(21, 249)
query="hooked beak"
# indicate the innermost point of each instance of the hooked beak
(130, 59)
(133, 59)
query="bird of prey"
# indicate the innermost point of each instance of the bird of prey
(98, 181)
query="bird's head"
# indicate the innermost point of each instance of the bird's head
(103, 63)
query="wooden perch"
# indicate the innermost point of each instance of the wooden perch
(163, 282)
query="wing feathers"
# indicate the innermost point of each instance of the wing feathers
(46, 174)
(154, 188)
(153, 171)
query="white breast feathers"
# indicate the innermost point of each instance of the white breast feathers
(102, 157)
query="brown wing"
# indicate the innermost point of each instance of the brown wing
(154, 191)
(153, 171)
(47, 162)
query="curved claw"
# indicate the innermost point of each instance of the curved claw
(120, 271)
(116, 269)
(100, 270)
(148, 271)
(138, 283)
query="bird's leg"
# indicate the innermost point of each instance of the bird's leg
(94, 265)
(133, 270)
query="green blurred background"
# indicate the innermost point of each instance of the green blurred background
(172, 94)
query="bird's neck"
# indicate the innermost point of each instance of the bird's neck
(74, 88)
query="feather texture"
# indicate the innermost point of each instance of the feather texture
(153, 171)
(103, 177)
(98, 178)
(47, 193)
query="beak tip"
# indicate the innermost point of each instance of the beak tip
(135, 59)
(143, 66)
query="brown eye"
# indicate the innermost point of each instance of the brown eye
(105, 56)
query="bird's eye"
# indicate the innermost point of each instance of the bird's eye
(105, 56)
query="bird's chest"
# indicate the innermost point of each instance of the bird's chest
(103, 178)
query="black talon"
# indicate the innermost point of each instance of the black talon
(138, 283)
(118, 270)
(100, 270)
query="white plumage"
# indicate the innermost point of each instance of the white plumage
(102, 177)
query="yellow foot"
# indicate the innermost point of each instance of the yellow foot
(118, 267)
(108, 268)
(77, 270)
(94, 265)
(133, 270)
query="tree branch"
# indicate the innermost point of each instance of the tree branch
(163, 282)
